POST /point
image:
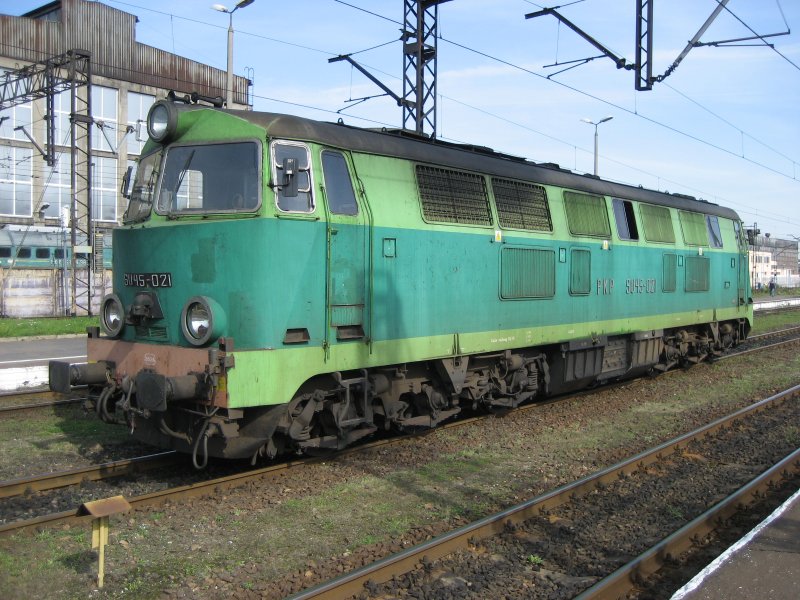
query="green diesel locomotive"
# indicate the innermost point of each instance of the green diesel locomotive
(287, 285)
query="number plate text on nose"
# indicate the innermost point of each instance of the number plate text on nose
(151, 280)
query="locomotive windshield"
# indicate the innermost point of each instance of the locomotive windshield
(210, 178)
(144, 185)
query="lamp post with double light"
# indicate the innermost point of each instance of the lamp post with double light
(590, 122)
(229, 80)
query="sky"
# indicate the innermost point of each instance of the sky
(724, 126)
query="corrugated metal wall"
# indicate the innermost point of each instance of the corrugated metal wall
(38, 292)
(110, 36)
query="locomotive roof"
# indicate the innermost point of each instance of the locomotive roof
(472, 158)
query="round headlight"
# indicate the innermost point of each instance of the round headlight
(202, 320)
(198, 320)
(162, 120)
(112, 315)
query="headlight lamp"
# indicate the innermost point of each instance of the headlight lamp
(112, 315)
(162, 121)
(202, 320)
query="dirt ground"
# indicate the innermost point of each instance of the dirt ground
(273, 538)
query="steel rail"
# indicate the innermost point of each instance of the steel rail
(734, 354)
(351, 584)
(774, 333)
(201, 488)
(37, 405)
(631, 575)
(206, 487)
(59, 479)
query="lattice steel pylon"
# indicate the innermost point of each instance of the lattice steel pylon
(69, 71)
(419, 64)
(644, 45)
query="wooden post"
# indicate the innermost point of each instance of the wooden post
(101, 510)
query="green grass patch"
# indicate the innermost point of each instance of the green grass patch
(763, 323)
(53, 439)
(763, 293)
(45, 326)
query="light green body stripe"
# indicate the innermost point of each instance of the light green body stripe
(273, 376)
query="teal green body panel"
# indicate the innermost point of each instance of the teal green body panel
(450, 283)
(268, 275)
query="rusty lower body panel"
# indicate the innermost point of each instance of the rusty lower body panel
(170, 397)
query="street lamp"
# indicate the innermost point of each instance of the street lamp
(590, 122)
(229, 81)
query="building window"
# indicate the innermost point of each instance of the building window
(138, 107)
(57, 186)
(14, 117)
(104, 111)
(61, 110)
(15, 181)
(104, 189)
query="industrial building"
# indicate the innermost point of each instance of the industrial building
(76, 65)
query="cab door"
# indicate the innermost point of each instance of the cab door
(743, 265)
(348, 249)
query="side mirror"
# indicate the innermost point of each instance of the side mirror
(289, 185)
(127, 183)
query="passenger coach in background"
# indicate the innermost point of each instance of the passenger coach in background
(286, 285)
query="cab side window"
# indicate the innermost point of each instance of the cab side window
(338, 185)
(626, 219)
(714, 233)
(291, 177)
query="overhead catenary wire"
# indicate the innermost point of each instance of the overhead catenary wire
(320, 51)
(771, 46)
(523, 69)
(635, 113)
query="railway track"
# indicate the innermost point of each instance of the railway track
(200, 488)
(12, 409)
(466, 539)
(183, 492)
(27, 401)
(788, 333)
(635, 573)
(51, 481)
